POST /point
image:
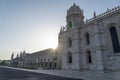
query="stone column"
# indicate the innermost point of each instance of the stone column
(83, 61)
(98, 50)
(48, 65)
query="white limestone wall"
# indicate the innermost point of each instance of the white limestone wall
(73, 34)
(92, 47)
(111, 60)
(114, 62)
(100, 46)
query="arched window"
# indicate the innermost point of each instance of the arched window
(89, 58)
(50, 64)
(55, 65)
(114, 38)
(69, 42)
(87, 38)
(69, 57)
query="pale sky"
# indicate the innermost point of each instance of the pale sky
(33, 25)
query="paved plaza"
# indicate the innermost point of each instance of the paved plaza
(86, 75)
(16, 74)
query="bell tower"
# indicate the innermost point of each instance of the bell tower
(69, 39)
(74, 17)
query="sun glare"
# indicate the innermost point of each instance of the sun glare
(51, 43)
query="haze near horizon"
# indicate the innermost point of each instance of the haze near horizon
(33, 25)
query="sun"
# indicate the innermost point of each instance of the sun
(51, 43)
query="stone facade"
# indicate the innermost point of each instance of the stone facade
(93, 44)
(19, 60)
(45, 59)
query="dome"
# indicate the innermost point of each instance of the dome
(74, 9)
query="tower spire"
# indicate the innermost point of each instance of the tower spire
(61, 29)
(12, 56)
(94, 15)
(17, 56)
(74, 4)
